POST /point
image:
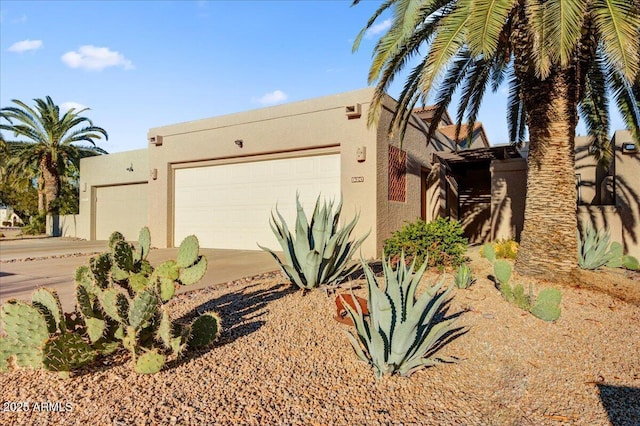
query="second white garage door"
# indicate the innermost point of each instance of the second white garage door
(120, 208)
(229, 206)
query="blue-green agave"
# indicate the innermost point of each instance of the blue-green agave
(403, 330)
(595, 250)
(320, 252)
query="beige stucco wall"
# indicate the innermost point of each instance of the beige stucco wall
(107, 170)
(392, 215)
(508, 189)
(68, 225)
(627, 189)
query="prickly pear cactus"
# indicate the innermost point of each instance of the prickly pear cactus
(204, 330)
(502, 271)
(547, 306)
(119, 302)
(26, 329)
(48, 303)
(489, 252)
(150, 362)
(66, 352)
(630, 263)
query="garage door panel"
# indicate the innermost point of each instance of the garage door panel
(229, 206)
(120, 208)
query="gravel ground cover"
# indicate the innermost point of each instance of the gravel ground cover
(282, 359)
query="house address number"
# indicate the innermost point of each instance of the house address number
(357, 179)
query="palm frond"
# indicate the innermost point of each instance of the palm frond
(618, 22)
(563, 19)
(594, 111)
(627, 97)
(486, 22)
(516, 112)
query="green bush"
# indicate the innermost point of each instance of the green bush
(503, 249)
(36, 225)
(441, 242)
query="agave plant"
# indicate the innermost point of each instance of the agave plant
(320, 252)
(464, 276)
(595, 250)
(402, 331)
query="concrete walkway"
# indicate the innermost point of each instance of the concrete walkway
(19, 278)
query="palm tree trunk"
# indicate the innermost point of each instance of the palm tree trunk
(41, 207)
(548, 246)
(51, 182)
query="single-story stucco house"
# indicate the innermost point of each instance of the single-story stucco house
(220, 178)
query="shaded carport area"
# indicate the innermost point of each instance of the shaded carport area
(51, 263)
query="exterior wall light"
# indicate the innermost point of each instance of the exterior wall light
(628, 148)
(361, 154)
(155, 140)
(130, 168)
(154, 174)
(239, 143)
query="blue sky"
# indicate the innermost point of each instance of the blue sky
(142, 64)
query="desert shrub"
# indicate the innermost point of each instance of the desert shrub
(504, 249)
(441, 243)
(36, 225)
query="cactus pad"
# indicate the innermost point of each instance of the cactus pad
(96, 327)
(100, 267)
(48, 303)
(150, 362)
(66, 352)
(167, 288)
(204, 330)
(144, 244)
(502, 271)
(489, 252)
(114, 238)
(167, 269)
(193, 274)
(142, 309)
(138, 282)
(630, 263)
(188, 252)
(547, 306)
(123, 256)
(5, 353)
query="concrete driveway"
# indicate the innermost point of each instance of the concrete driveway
(26, 265)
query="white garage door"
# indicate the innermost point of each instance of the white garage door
(121, 208)
(229, 206)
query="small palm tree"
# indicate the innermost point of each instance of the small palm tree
(561, 58)
(47, 144)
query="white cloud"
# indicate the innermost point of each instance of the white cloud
(66, 106)
(20, 20)
(272, 98)
(25, 45)
(94, 58)
(378, 28)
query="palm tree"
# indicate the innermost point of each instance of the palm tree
(47, 145)
(561, 58)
